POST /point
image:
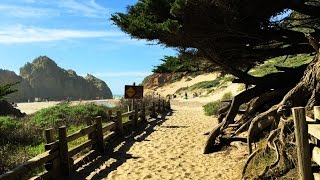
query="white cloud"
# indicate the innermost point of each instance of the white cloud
(26, 12)
(125, 39)
(24, 34)
(122, 74)
(41, 8)
(87, 8)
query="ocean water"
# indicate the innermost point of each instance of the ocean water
(106, 103)
(117, 96)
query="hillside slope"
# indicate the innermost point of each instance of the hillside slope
(208, 86)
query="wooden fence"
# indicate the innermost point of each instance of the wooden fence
(307, 133)
(58, 159)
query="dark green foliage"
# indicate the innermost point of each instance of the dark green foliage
(185, 61)
(235, 35)
(170, 64)
(7, 89)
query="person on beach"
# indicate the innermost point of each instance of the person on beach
(185, 95)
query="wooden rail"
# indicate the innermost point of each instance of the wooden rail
(58, 159)
(307, 133)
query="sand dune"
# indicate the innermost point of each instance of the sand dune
(215, 95)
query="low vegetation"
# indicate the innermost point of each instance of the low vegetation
(23, 138)
(212, 108)
(70, 115)
(208, 86)
(268, 66)
(20, 140)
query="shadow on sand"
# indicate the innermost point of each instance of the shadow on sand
(117, 149)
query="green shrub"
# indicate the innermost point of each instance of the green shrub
(241, 87)
(226, 96)
(212, 108)
(15, 131)
(20, 140)
(69, 114)
(205, 84)
(9, 122)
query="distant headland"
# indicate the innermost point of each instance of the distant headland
(43, 79)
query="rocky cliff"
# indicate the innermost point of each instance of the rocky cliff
(43, 78)
(25, 90)
(157, 80)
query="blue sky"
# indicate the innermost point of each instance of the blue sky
(78, 35)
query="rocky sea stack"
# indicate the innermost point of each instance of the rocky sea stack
(44, 79)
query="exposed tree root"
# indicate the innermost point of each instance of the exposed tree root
(275, 162)
(261, 122)
(274, 142)
(223, 112)
(245, 167)
(265, 109)
(209, 147)
(238, 100)
(304, 91)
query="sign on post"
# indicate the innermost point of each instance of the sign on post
(133, 92)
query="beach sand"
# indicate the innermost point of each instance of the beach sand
(32, 107)
(167, 149)
(170, 89)
(172, 150)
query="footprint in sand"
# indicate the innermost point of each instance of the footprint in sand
(149, 176)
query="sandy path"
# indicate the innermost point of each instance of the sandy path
(173, 150)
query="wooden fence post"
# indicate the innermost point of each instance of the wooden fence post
(302, 142)
(159, 106)
(153, 113)
(316, 113)
(163, 106)
(89, 123)
(65, 168)
(110, 114)
(119, 126)
(99, 133)
(53, 165)
(135, 116)
(143, 114)
(316, 110)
